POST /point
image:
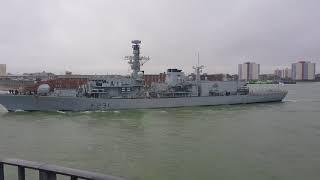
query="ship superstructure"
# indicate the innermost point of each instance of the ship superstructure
(117, 86)
(128, 92)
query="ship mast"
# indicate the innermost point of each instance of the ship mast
(198, 71)
(136, 61)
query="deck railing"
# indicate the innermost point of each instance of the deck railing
(50, 172)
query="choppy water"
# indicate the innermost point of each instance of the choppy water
(257, 141)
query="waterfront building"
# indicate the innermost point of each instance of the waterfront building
(283, 73)
(213, 77)
(15, 82)
(219, 77)
(278, 73)
(303, 70)
(287, 73)
(3, 70)
(267, 77)
(249, 71)
(41, 76)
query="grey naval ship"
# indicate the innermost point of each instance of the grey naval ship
(128, 92)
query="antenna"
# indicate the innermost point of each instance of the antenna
(198, 58)
(198, 70)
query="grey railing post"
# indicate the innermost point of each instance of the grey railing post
(1, 171)
(46, 175)
(21, 173)
(49, 172)
(52, 176)
(73, 178)
(42, 175)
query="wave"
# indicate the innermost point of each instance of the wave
(86, 112)
(301, 100)
(3, 109)
(290, 100)
(19, 110)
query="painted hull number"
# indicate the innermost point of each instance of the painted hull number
(100, 106)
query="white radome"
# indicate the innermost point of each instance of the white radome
(43, 89)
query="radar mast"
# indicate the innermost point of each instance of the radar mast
(136, 61)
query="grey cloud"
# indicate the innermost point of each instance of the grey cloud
(88, 36)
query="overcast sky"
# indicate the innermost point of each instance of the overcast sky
(92, 36)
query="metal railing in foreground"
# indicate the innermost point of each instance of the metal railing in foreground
(50, 172)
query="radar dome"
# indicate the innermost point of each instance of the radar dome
(140, 74)
(43, 89)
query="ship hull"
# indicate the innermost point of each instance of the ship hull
(48, 103)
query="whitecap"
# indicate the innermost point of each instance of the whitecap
(19, 110)
(86, 112)
(290, 100)
(61, 112)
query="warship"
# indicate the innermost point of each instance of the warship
(103, 93)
